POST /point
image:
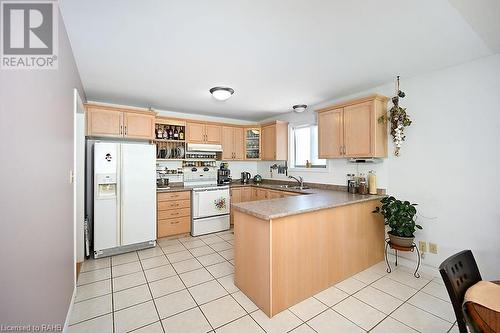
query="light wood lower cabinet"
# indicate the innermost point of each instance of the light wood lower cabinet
(251, 193)
(283, 261)
(235, 198)
(173, 213)
(246, 194)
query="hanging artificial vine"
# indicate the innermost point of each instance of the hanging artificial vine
(399, 119)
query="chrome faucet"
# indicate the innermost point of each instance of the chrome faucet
(300, 180)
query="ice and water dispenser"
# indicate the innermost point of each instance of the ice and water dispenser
(105, 171)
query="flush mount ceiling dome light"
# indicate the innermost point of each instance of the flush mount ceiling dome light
(221, 93)
(299, 108)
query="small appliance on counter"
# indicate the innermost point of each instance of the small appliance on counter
(245, 177)
(224, 174)
(257, 179)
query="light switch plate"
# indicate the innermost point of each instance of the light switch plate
(433, 248)
(422, 246)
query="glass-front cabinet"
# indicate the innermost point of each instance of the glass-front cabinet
(252, 143)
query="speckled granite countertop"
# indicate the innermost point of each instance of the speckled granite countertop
(312, 200)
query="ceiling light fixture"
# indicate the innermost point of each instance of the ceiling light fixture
(299, 108)
(221, 93)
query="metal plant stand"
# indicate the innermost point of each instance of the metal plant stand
(396, 248)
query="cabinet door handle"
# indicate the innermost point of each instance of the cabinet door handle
(344, 150)
(121, 129)
(125, 129)
(174, 222)
(340, 150)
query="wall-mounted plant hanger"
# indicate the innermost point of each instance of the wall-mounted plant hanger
(399, 119)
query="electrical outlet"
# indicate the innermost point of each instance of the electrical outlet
(433, 248)
(422, 246)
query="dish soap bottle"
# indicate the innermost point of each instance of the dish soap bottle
(372, 182)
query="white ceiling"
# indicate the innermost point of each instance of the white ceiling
(274, 53)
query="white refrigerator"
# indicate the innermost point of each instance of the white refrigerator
(124, 197)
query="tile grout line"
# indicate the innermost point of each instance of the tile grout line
(406, 302)
(191, 295)
(112, 295)
(229, 294)
(302, 322)
(221, 287)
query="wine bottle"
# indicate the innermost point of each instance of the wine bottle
(181, 133)
(170, 133)
(176, 133)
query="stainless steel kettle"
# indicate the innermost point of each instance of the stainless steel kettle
(245, 177)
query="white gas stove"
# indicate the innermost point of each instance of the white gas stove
(211, 203)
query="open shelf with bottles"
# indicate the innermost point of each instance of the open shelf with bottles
(170, 135)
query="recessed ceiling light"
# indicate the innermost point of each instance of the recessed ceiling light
(221, 93)
(299, 108)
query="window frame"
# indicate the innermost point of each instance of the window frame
(292, 148)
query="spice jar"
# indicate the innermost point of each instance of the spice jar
(352, 187)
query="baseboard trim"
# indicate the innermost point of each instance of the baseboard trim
(68, 315)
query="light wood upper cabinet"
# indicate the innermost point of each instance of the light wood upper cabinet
(213, 133)
(103, 121)
(139, 126)
(275, 141)
(357, 129)
(227, 143)
(232, 143)
(352, 129)
(330, 133)
(197, 132)
(239, 142)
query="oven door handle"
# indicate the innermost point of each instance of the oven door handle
(209, 189)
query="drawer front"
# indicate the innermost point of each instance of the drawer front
(169, 227)
(169, 196)
(173, 213)
(173, 204)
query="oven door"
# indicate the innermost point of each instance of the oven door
(210, 202)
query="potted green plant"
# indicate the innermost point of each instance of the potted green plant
(400, 216)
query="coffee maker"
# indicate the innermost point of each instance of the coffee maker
(223, 174)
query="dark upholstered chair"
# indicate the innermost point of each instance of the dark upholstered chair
(459, 272)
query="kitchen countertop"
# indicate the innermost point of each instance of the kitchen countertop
(313, 199)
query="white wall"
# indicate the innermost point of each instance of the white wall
(449, 162)
(36, 196)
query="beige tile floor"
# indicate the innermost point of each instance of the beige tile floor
(186, 285)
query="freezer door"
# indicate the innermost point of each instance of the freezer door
(106, 198)
(138, 193)
(211, 202)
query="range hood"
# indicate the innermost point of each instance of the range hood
(365, 160)
(205, 147)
